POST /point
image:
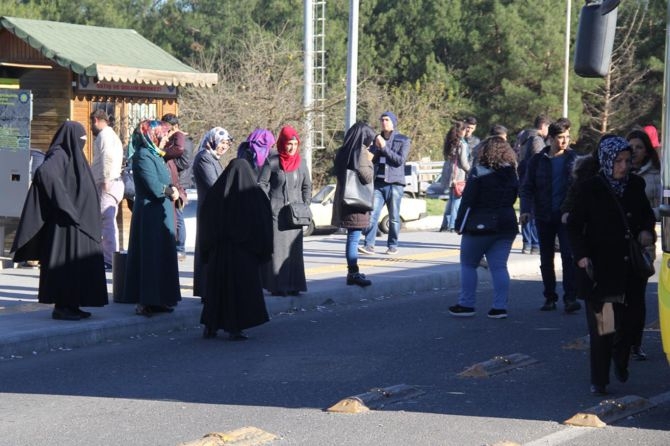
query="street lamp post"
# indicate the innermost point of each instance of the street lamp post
(566, 73)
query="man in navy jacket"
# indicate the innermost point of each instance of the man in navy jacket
(543, 190)
(390, 150)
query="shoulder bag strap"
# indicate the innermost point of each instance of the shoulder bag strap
(618, 204)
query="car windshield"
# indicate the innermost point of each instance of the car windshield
(323, 193)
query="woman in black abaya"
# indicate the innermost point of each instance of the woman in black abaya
(60, 225)
(236, 238)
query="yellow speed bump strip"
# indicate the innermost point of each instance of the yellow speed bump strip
(610, 410)
(375, 399)
(497, 364)
(245, 436)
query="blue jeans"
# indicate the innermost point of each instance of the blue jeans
(353, 236)
(389, 195)
(547, 232)
(496, 247)
(529, 235)
(450, 211)
(181, 231)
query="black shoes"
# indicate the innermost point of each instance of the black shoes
(150, 310)
(598, 390)
(572, 306)
(459, 311)
(621, 373)
(83, 314)
(358, 279)
(238, 336)
(209, 332)
(638, 353)
(549, 304)
(495, 313)
(68, 314)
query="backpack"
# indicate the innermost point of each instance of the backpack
(519, 144)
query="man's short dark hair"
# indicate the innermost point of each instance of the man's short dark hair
(561, 125)
(498, 130)
(540, 121)
(470, 120)
(170, 118)
(100, 115)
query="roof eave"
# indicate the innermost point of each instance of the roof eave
(116, 73)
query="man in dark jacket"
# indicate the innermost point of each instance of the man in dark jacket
(533, 142)
(390, 151)
(543, 190)
(182, 144)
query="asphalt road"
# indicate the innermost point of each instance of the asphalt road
(170, 387)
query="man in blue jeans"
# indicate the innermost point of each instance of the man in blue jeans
(543, 190)
(390, 151)
(181, 143)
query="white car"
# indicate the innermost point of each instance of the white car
(322, 211)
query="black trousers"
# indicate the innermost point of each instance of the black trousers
(615, 347)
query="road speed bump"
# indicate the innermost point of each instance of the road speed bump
(376, 398)
(245, 436)
(497, 364)
(610, 410)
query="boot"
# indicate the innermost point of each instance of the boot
(356, 278)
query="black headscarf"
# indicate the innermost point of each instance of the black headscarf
(62, 190)
(237, 210)
(359, 137)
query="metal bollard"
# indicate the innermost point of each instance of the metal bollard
(119, 276)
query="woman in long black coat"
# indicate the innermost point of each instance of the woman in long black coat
(60, 225)
(236, 237)
(353, 155)
(206, 169)
(600, 246)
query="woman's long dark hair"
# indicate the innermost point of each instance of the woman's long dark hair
(496, 153)
(452, 142)
(650, 152)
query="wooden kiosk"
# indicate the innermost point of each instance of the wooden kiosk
(72, 70)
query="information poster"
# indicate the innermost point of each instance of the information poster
(15, 116)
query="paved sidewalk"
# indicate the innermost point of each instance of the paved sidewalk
(427, 260)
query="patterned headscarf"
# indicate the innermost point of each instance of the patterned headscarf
(260, 141)
(289, 163)
(148, 135)
(609, 148)
(213, 138)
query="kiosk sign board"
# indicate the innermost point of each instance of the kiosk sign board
(15, 116)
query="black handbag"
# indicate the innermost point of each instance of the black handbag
(128, 182)
(299, 214)
(480, 221)
(356, 194)
(640, 260)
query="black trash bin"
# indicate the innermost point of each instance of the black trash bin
(119, 276)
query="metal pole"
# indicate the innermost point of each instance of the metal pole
(566, 73)
(308, 99)
(352, 66)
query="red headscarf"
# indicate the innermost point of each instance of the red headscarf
(289, 163)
